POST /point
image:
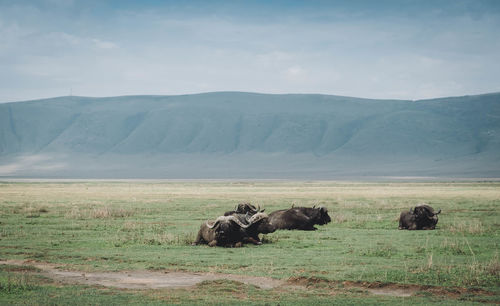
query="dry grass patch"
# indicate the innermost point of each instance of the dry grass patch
(255, 191)
(454, 247)
(493, 267)
(472, 273)
(474, 227)
(339, 218)
(17, 282)
(33, 211)
(105, 212)
(150, 234)
(479, 273)
(109, 212)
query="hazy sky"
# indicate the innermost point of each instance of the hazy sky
(375, 49)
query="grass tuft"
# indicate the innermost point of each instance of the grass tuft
(339, 218)
(150, 234)
(493, 267)
(16, 282)
(453, 247)
(473, 227)
(385, 250)
(98, 213)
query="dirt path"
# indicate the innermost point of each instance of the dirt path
(173, 280)
(143, 279)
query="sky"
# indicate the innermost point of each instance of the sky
(373, 49)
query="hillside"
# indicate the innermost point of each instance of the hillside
(248, 135)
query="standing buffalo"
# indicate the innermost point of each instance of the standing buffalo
(301, 218)
(421, 217)
(234, 230)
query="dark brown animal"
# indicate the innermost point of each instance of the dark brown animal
(300, 218)
(224, 231)
(233, 230)
(257, 224)
(244, 208)
(421, 217)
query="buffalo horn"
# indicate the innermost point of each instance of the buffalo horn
(257, 217)
(219, 219)
(213, 224)
(235, 220)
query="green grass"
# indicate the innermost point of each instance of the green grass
(102, 226)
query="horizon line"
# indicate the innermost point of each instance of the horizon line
(247, 92)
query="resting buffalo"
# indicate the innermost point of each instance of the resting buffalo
(257, 224)
(233, 230)
(224, 231)
(421, 217)
(244, 208)
(301, 218)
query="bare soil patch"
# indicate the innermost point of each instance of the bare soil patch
(143, 279)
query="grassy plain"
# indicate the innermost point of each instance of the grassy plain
(120, 226)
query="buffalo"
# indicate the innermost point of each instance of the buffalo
(234, 230)
(224, 231)
(421, 217)
(300, 218)
(257, 224)
(244, 208)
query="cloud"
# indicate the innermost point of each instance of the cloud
(104, 44)
(64, 3)
(294, 72)
(273, 58)
(105, 49)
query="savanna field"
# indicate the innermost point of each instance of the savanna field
(102, 226)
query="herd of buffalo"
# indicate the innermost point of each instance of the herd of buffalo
(246, 222)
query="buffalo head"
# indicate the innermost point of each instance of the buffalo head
(320, 215)
(425, 212)
(244, 208)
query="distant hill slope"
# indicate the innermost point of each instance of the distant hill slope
(233, 134)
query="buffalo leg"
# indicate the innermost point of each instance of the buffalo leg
(198, 240)
(254, 241)
(308, 227)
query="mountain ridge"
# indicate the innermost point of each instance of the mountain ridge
(254, 93)
(459, 135)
